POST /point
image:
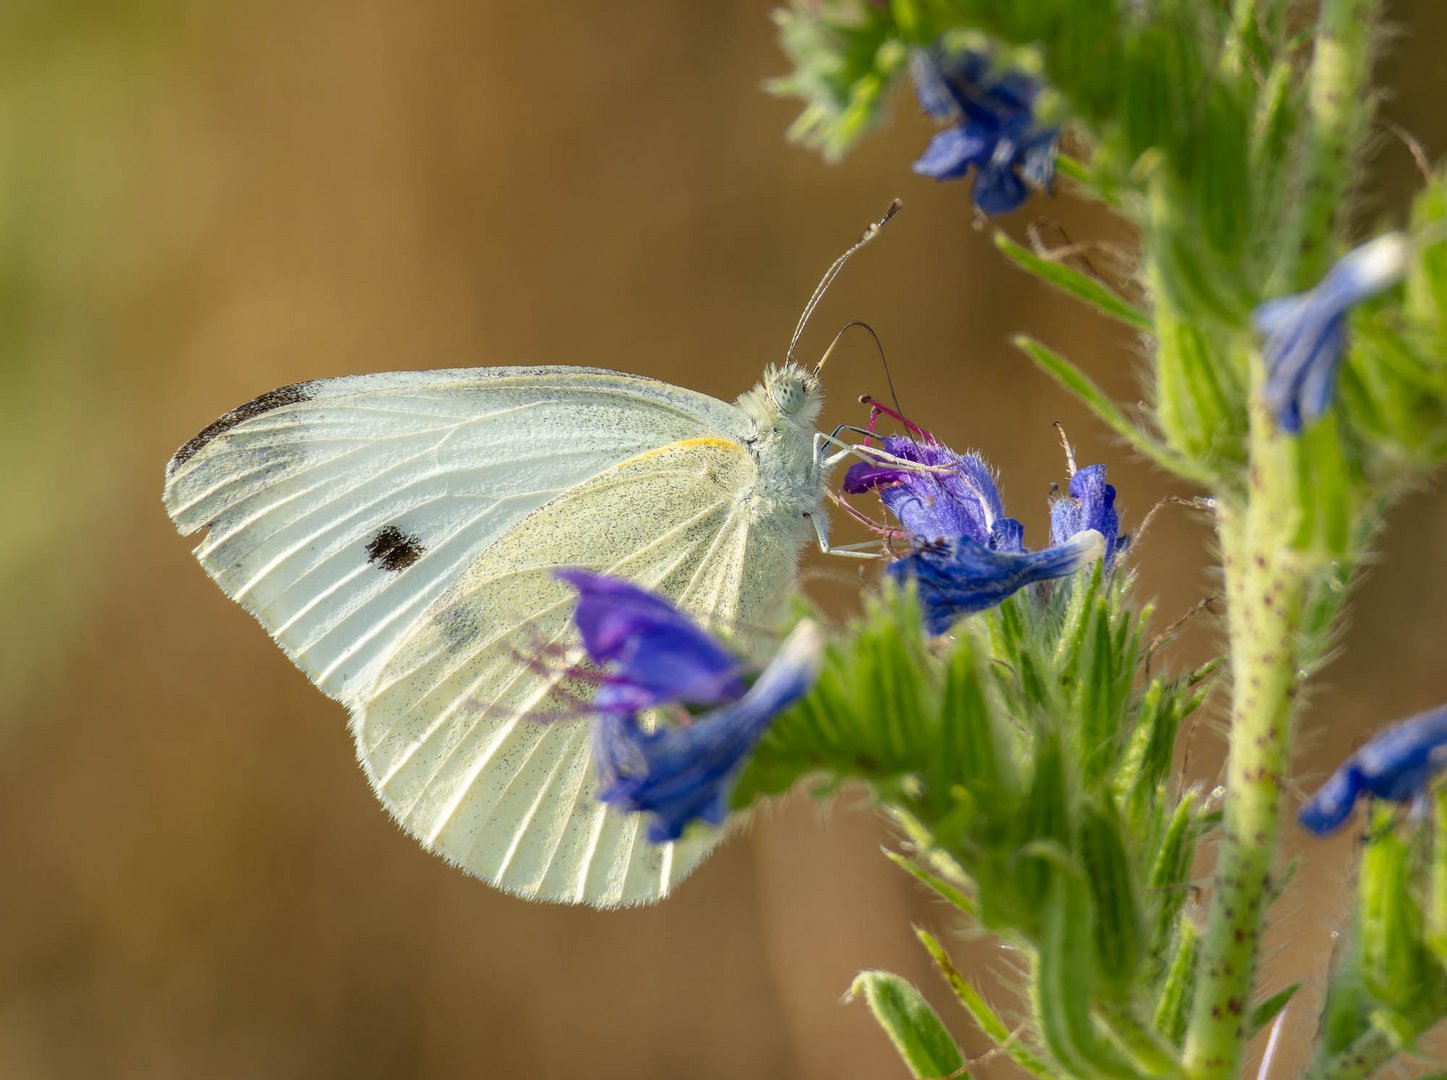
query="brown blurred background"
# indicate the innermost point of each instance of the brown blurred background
(201, 201)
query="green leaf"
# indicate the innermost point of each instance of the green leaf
(986, 1017)
(932, 881)
(1394, 967)
(1063, 983)
(1075, 282)
(1118, 932)
(1200, 404)
(1173, 1003)
(1266, 1012)
(1437, 881)
(1171, 870)
(916, 1031)
(1093, 398)
(845, 61)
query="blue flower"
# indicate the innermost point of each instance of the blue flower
(1396, 765)
(968, 555)
(1304, 336)
(956, 496)
(658, 654)
(960, 577)
(652, 655)
(992, 128)
(1089, 504)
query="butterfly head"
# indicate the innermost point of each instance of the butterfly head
(793, 392)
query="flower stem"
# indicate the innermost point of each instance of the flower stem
(1266, 585)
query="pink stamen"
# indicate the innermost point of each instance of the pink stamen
(876, 410)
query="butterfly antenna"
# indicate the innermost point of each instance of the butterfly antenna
(833, 272)
(878, 347)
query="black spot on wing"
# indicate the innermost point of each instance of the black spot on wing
(272, 399)
(392, 549)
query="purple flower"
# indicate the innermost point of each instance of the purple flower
(992, 128)
(956, 497)
(1303, 337)
(1089, 504)
(1396, 765)
(968, 555)
(659, 654)
(653, 654)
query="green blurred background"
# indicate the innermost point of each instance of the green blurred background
(200, 201)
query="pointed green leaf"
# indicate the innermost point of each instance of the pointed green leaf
(1093, 398)
(1075, 282)
(1118, 931)
(917, 1032)
(1267, 1011)
(1063, 983)
(986, 1017)
(1173, 1003)
(938, 884)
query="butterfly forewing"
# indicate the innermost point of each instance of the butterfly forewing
(338, 510)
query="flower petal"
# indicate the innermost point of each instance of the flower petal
(1304, 337)
(997, 189)
(657, 653)
(957, 496)
(961, 577)
(1090, 504)
(952, 151)
(684, 774)
(865, 476)
(1396, 765)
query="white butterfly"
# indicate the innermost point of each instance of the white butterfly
(397, 534)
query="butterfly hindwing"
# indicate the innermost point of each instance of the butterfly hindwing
(467, 733)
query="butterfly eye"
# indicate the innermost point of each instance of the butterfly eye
(788, 395)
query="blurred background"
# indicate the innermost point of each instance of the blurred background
(199, 202)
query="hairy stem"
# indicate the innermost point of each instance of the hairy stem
(1339, 110)
(1265, 586)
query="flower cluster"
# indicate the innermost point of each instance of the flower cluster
(993, 128)
(653, 655)
(967, 555)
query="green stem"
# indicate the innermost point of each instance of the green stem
(1265, 587)
(1339, 109)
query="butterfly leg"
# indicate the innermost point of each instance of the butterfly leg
(846, 450)
(869, 549)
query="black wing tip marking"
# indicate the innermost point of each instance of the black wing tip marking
(291, 394)
(392, 549)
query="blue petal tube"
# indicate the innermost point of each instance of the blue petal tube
(1396, 765)
(657, 653)
(960, 577)
(683, 774)
(1304, 337)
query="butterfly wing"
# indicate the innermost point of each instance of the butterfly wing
(337, 510)
(467, 735)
